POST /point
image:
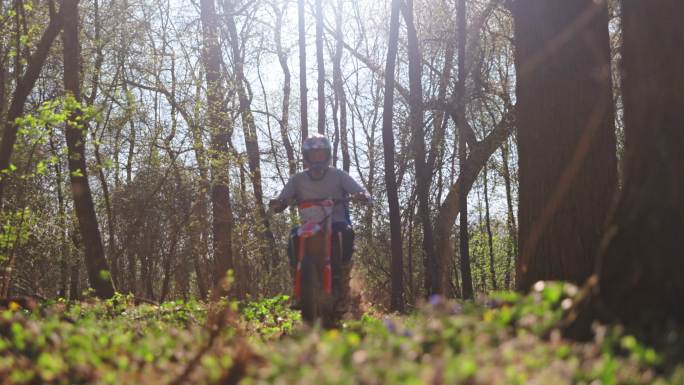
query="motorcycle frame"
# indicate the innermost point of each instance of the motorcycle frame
(325, 268)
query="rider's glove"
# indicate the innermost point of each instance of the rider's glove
(363, 197)
(276, 205)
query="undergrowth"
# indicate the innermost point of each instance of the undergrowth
(505, 339)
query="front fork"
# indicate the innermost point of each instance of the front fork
(327, 268)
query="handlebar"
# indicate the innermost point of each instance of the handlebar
(285, 204)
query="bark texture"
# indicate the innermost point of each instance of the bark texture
(641, 274)
(566, 136)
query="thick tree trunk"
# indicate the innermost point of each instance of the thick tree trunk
(423, 172)
(397, 270)
(641, 273)
(566, 136)
(220, 126)
(96, 264)
(303, 100)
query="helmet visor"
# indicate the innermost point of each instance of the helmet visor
(317, 155)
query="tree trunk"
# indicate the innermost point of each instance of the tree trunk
(490, 238)
(220, 126)
(641, 269)
(198, 243)
(23, 89)
(303, 100)
(199, 224)
(321, 67)
(98, 270)
(285, 118)
(99, 59)
(63, 247)
(3, 75)
(397, 303)
(340, 95)
(423, 172)
(74, 273)
(269, 251)
(512, 243)
(466, 278)
(450, 208)
(566, 136)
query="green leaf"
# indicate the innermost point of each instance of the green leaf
(104, 275)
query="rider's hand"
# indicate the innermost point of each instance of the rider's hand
(276, 205)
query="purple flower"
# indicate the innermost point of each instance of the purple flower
(390, 325)
(435, 299)
(493, 303)
(456, 309)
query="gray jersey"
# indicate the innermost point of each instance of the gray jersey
(336, 184)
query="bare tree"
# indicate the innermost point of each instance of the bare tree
(466, 280)
(338, 82)
(285, 117)
(512, 243)
(303, 101)
(320, 64)
(397, 267)
(423, 171)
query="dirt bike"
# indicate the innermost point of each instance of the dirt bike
(313, 286)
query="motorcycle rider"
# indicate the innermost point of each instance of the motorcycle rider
(321, 181)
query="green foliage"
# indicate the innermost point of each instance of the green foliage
(15, 231)
(34, 129)
(506, 339)
(270, 317)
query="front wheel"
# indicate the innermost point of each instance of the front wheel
(310, 290)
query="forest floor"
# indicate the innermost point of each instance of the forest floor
(506, 339)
